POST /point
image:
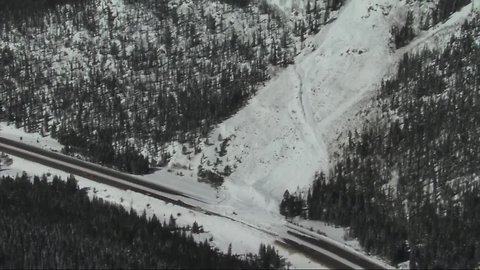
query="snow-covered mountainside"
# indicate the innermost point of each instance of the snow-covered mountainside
(290, 125)
(283, 136)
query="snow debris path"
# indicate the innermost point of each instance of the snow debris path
(281, 136)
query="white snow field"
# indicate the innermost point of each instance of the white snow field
(285, 133)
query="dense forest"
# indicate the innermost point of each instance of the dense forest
(407, 184)
(107, 79)
(115, 81)
(28, 7)
(55, 225)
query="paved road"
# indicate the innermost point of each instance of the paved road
(336, 249)
(316, 249)
(94, 172)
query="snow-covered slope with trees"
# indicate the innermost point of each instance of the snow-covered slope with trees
(111, 79)
(280, 139)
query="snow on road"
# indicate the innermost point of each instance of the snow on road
(220, 232)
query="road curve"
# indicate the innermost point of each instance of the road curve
(345, 254)
(314, 249)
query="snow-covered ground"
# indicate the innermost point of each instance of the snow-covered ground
(338, 234)
(285, 133)
(35, 139)
(289, 6)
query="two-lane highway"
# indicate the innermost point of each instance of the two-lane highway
(94, 172)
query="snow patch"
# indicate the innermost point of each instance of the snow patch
(34, 139)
